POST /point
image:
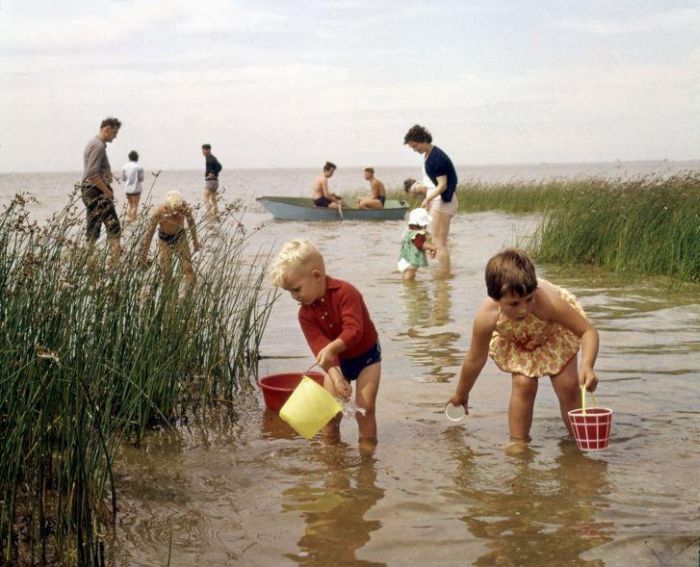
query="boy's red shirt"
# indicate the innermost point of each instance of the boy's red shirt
(340, 313)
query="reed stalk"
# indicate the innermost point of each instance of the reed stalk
(96, 354)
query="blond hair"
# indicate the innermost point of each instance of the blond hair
(174, 199)
(295, 254)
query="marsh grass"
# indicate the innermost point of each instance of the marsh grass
(96, 355)
(649, 225)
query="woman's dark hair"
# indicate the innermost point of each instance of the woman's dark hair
(510, 271)
(329, 165)
(418, 133)
(133, 155)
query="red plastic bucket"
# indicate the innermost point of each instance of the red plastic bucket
(276, 388)
(591, 427)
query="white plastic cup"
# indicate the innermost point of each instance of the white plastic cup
(454, 413)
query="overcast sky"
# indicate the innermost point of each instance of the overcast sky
(293, 83)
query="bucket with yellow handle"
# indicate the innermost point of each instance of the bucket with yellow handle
(309, 408)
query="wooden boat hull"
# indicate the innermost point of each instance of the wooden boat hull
(303, 209)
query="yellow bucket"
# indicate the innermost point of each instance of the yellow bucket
(309, 408)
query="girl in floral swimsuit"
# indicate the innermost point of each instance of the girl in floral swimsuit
(530, 328)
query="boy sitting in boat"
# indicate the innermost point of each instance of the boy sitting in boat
(376, 201)
(321, 194)
(169, 218)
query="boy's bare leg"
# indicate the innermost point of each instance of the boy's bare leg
(331, 432)
(365, 397)
(165, 259)
(182, 247)
(214, 197)
(567, 389)
(366, 203)
(522, 402)
(440, 230)
(133, 205)
(205, 199)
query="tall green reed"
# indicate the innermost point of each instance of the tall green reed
(94, 355)
(647, 226)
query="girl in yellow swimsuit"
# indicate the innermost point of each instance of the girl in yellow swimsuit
(530, 328)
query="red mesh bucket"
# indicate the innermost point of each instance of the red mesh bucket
(592, 428)
(276, 388)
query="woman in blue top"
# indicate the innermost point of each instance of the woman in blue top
(441, 201)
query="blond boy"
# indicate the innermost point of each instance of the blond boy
(169, 218)
(337, 326)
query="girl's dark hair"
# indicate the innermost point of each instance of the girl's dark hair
(418, 133)
(510, 271)
(133, 155)
(329, 165)
(407, 183)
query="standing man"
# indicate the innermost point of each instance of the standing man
(132, 175)
(212, 167)
(96, 191)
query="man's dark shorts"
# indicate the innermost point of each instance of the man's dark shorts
(322, 202)
(352, 367)
(99, 209)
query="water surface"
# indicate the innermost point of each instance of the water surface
(237, 486)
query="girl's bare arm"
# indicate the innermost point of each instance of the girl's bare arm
(475, 359)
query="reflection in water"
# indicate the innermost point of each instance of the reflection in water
(541, 514)
(334, 512)
(430, 348)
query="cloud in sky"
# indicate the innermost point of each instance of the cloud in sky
(284, 84)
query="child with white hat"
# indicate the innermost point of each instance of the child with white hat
(414, 244)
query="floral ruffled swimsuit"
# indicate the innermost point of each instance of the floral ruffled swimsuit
(533, 347)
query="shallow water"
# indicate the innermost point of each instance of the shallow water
(238, 486)
(242, 487)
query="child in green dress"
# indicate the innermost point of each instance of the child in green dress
(414, 244)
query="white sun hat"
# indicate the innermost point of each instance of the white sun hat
(419, 217)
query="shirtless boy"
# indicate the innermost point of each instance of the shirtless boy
(376, 201)
(169, 218)
(321, 194)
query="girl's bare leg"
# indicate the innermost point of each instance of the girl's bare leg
(567, 390)
(522, 402)
(409, 274)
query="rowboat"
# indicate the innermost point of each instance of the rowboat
(303, 209)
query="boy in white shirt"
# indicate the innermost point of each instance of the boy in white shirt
(132, 175)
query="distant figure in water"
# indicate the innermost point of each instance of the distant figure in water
(530, 328)
(415, 245)
(321, 194)
(376, 201)
(132, 176)
(212, 168)
(339, 330)
(415, 189)
(169, 218)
